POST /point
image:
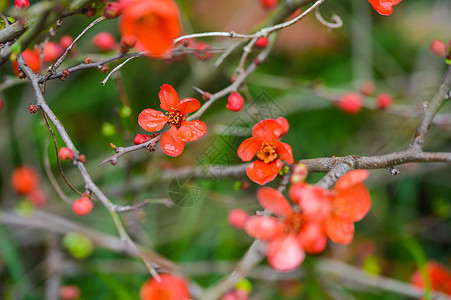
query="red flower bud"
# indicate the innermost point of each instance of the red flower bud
(299, 175)
(206, 96)
(32, 60)
(1, 104)
(38, 197)
(141, 138)
(87, 61)
(104, 41)
(439, 48)
(235, 102)
(367, 88)
(52, 51)
(262, 42)
(112, 10)
(24, 180)
(128, 41)
(268, 4)
(350, 103)
(69, 292)
(65, 153)
(82, 158)
(66, 41)
(32, 108)
(21, 4)
(82, 206)
(202, 52)
(237, 218)
(384, 100)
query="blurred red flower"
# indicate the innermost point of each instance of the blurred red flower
(384, 7)
(24, 180)
(181, 131)
(31, 57)
(155, 23)
(289, 235)
(169, 287)
(268, 149)
(438, 274)
(350, 202)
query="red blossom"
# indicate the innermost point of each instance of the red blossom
(181, 131)
(52, 51)
(168, 287)
(24, 180)
(66, 41)
(269, 151)
(155, 23)
(31, 57)
(350, 103)
(289, 235)
(104, 41)
(237, 218)
(350, 202)
(21, 4)
(384, 100)
(384, 7)
(235, 101)
(439, 276)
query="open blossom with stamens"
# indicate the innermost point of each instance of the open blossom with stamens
(181, 131)
(269, 151)
(289, 235)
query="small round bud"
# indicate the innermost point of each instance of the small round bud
(21, 4)
(268, 4)
(105, 69)
(104, 41)
(52, 51)
(439, 48)
(300, 173)
(202, 50)
(128, 41)
(367, 88)
(237, 218)
(82, 206)
(262, 42)
(82, 158)
(1, 104)
(112, 10)
(384, 100)
(350, 103)
(32, 108)
(24, 180)
(87, 61)
(69, 292)
(66, 41)
(206, 96)
(141, 138)
(65, 153)
(235, 102)
(38, 197)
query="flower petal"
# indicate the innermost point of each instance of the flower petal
(267, 130)
(167, 287)
(312, 237)
(314, 201)
(168, 97)
(285, 125)
(353, 203)
(384, 7)
(188, 105)
(285, 151)
(339, 230)
(285, 253)
(263, 227)
(262, 173)
(191, 131)
(171, 144)
(152, 120)
(351, 178)
(273, 201)
(248, 148)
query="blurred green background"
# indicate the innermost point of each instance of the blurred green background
(411, 210)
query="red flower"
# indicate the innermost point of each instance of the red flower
(24, 180)
(173, 141)
(439, 276)
(265, 145)
(169, 287)
(350, 203)
(31, 57)
(384, 7)
(289, 235)
(155, 23)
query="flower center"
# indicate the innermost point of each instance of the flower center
(293, 223)
(175, 117)
(267, 152)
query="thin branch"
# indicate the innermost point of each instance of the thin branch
(337, 22)
(116, 69)
(230, 34)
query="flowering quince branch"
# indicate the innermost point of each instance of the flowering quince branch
(90, 185)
